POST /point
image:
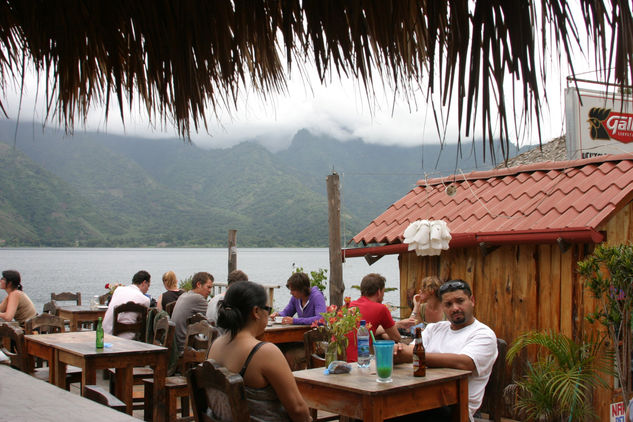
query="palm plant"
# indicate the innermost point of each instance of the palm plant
(559, 384)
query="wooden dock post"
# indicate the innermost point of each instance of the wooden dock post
(334, 224)
(232, 250)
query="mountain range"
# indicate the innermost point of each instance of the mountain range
(96, 189)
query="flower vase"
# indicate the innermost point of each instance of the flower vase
(335, 351)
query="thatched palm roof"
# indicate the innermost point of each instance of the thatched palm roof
(181, 56)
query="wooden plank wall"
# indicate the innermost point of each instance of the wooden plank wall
(518, 288)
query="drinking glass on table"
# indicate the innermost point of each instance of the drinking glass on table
(383, 349)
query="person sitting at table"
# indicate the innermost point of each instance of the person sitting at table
(190, 303)
(427, 307)
(372, 310)
(308, 303)
(212, 309)
(173, 292)
(461, 342)
(271, 391)
(135, 292)
(17, 304)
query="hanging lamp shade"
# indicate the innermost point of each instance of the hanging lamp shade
(427, 237)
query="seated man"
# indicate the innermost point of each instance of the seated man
(212, 309)
(190, 303)
(462, 342)
(135, 292)
(377, 315)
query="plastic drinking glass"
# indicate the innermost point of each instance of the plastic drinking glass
(383, 350)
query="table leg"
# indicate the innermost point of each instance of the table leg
(58, 371)
(124, 385)
(372, 409)
(88, 375)
(461, 414)
(160, 372)
(73, 324)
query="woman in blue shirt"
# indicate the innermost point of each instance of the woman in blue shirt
(306, 302)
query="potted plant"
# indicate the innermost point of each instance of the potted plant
(338, 322)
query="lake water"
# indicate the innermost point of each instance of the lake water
(87, 270)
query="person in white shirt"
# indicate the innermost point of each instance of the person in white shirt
(135, 292)
(462, 342)
(212, 309)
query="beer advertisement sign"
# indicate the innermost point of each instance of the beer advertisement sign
(598, 123)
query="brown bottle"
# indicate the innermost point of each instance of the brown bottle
(419, 355)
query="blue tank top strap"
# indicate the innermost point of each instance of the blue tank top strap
(250, 355)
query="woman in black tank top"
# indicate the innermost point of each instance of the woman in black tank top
(173, 292)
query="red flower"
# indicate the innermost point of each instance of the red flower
(339, 314)
(107, 286)
(347, 300)
(332, 308)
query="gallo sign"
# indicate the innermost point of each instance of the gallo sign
(600, 125)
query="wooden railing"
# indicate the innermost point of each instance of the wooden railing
(221, 287)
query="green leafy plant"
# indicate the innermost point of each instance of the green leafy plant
(318, 278)
(387, 289)
(558, 385)
(185, 283)
(608, 275)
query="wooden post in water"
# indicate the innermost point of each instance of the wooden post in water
(334, 224)
(232, 250)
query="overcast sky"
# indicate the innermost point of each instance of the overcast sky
(339, 109)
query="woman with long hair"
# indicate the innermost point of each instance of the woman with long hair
(17, 304)
(173, 292)
(427, 307)
(271, 390)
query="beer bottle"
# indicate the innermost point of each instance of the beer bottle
(99, 334)
(419, 355)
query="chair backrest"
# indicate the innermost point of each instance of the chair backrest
(197, 317)
(103, 299)
(492, 403)
(50, 308)
(169, 308)
(67, 297)
(210, 378)
(164, 333)
(200, 336)
(12, 345)
(137, 327)
(44, 324)
(315, 354)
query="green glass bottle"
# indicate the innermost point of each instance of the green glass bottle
(99, 334)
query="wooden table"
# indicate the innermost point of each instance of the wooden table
(358, 395)
(280, 333)
(26, 398)
(78, 314)
(78, 349)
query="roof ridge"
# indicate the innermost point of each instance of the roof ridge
(525, 168)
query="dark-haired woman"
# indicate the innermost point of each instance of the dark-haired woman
(17, 304)
(271, 391)
(306, 302)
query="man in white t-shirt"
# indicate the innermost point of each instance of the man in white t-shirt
(462, 342)
(135, 292)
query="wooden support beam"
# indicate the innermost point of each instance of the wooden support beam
(232, 250)
(334, 224)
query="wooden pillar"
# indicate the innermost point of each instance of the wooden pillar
(334, 223)
(232, 250)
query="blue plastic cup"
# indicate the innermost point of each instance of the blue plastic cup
(383, 350)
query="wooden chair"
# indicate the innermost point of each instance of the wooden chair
(210, 375)
(311, 340)
(50, 308)
(163, 336)
(67, 297)
(197, 317)
(101, 396)
(12, 345)
(103, 299)
(50, 324)
(200, 335)
(315, 358)
(169, 308)
(492, 403)
(137, 327)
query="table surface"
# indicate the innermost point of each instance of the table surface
(359, 395)
(82, 309)
(83, 343)
(284, 333)
(25, 397)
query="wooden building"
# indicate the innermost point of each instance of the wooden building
(517, 235)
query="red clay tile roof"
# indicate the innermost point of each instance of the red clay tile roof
(529, 203)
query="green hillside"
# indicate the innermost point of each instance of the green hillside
(94, 189)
